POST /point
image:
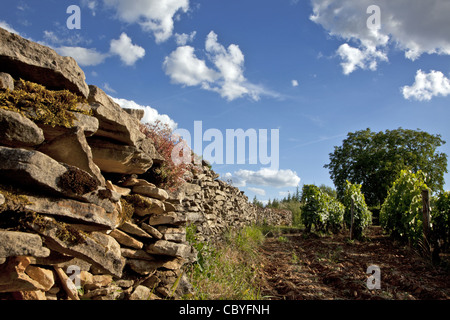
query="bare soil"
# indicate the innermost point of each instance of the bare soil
(309, 267)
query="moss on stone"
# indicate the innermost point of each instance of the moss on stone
(77, 181)
(41, 105)
(14, 201)
(64, 231)
(139, 201)
(127, 211)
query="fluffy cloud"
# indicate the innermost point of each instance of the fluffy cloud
(354, 58)
(427, 86)
(258, 191)
(227, 79)
(84, 56)
(183, 67)
(183, 39)
(126, 50)
(264, 177)
(294, 83)
(415, 29)
(123, 47)
(156, 16)
(151, 115)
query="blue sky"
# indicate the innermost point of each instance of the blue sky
(313, 69)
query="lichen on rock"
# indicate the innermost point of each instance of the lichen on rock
(41, 105)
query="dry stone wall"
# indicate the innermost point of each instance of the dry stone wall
(215, 207)
(77, 221)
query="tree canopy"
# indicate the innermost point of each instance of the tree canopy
(375, 160)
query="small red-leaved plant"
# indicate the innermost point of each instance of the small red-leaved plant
(168, 175)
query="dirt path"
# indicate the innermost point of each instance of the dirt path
(299, 267)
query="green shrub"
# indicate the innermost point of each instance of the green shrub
(362, 217)
(401, 213)
(313, 212)
(321, 210)
(440, 219)
(336, 211)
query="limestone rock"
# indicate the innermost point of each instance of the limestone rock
(30, 295)
(67, 284)
(31, 61)
(145, 267)
(152, 231)
(88, 124)
(136, 113)
(144, 206)
(133, 229)
(151, 192)
(119, 158)
(18, 131)
(78, 211)
(119, 190)
(43, 276)
(136, 254)
(13, 277)
(132, 181)
(126, 240)
(168, 248)
(6, 81)
(173, 234)
(108, 293)
(33, 169)
(115, 123)
(168, 218)
(98, 281)
(140, 293)
(14, 243)
(73, 149)
(99, 249)
(124, 283)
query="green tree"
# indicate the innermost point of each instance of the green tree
(257, 203)
(374, 160)
(328, 190)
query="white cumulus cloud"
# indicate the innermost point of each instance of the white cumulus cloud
(258, 191)
(151, 115)
(227, 78)
(156, 16)
(427, 86)
(128, 52)
(183, 39)
(264, 177)
(353, 58)
(183, 67)
(123, 47)
(414, 27)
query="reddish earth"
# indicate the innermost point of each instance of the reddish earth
(305, 267)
